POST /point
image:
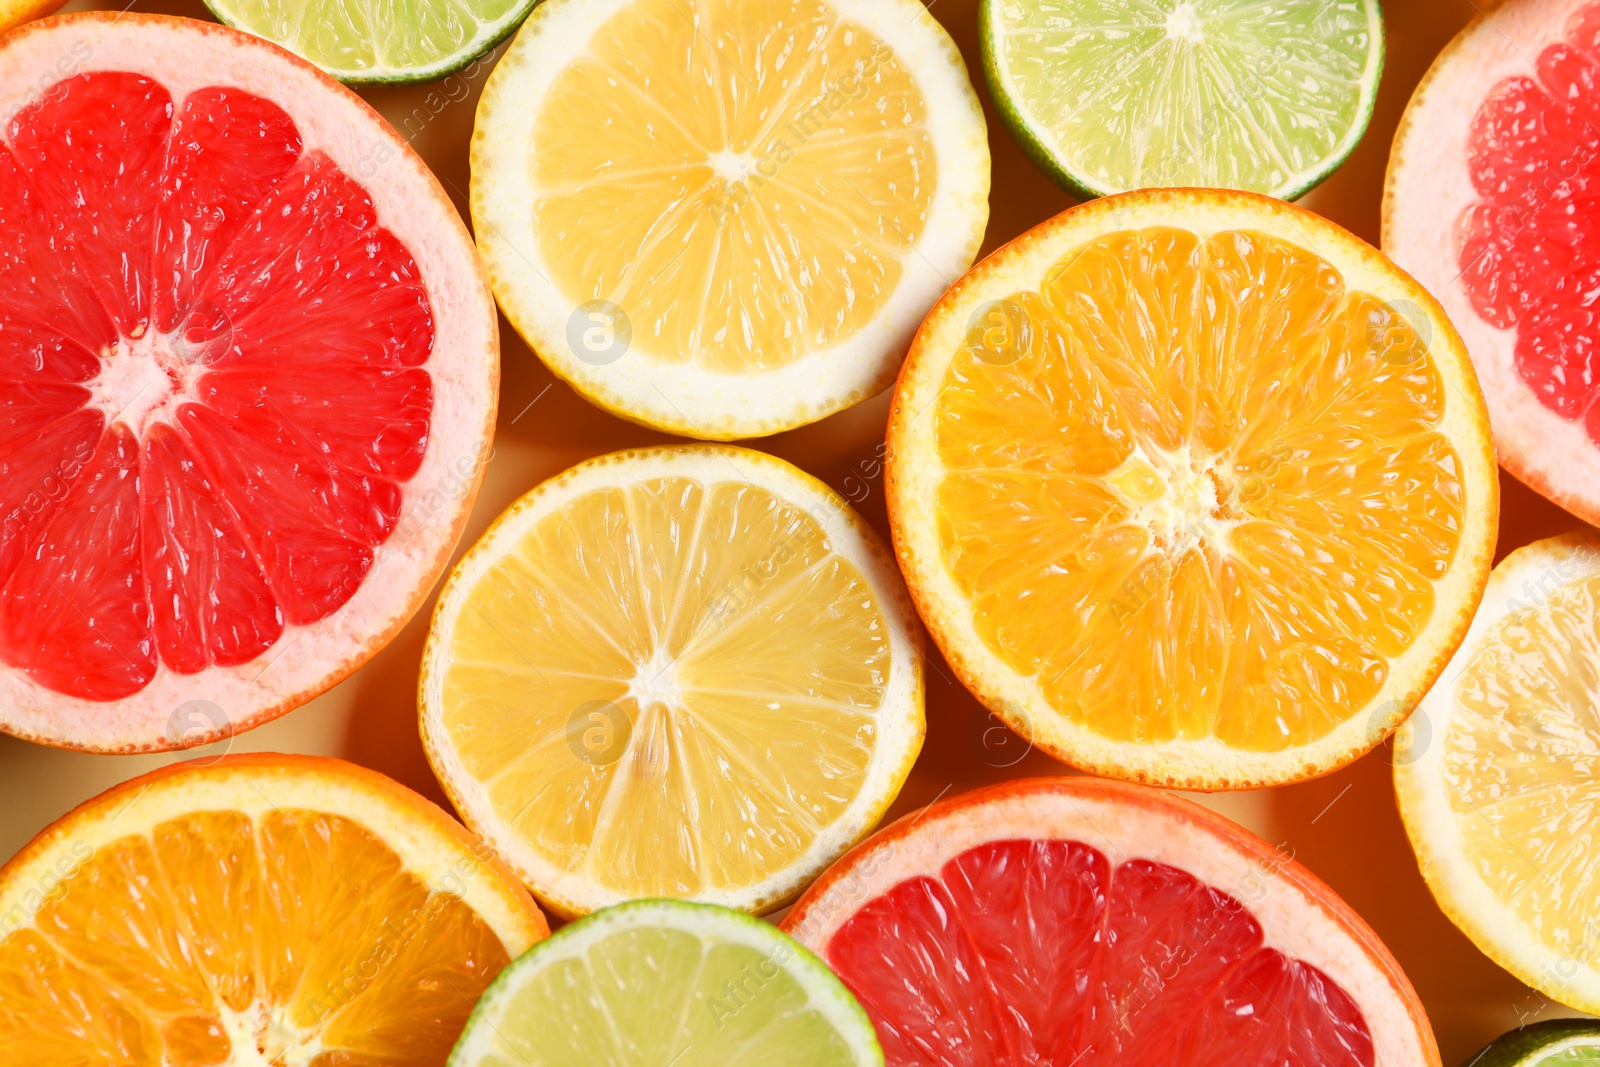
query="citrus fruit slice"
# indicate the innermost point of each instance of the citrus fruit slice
(1239, 94)
(248, 367)
(1192, 487)
(674, 672)
(1082, 921)
(725, 218)
(263, 909)
(664, 982)
(1497, 778)
(1491, 203)
(1556, 1043)
(364, 43)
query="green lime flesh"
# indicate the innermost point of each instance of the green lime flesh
(1556, 1043)
(658, 983)
(371, 42)
(1269, 96)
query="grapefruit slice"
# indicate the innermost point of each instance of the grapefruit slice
(687, 672)
(248, 367)
(1493, 202)
(1498, 783)
(264, 909)
(1193, 487)
(725, 218)
(1095, 923)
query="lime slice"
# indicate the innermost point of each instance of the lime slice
(1108, 95)
(361, 41)
(661, 982)
(1557, 1043)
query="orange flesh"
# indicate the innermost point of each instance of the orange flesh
(295, 940)
(1196, 488)
(741, 177)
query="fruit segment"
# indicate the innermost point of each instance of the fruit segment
(1197, 487)
(212, 355)
(1529, 248)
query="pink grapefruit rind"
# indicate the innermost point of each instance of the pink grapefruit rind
(1299, 915)
(1428, 188)
(184, 56)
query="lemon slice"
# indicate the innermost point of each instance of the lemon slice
(679, 672)
(1192, 487)
(725, 218)
(663, 982)
(1499, 773)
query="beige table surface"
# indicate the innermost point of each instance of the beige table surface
(1344, 827)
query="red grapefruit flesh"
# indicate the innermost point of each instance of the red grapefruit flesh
(1493, 202)
(247, 377)
(1084, 922)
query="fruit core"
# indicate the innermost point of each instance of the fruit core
(211, 370)
(1529, 247)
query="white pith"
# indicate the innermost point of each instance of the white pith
(898, 721)
(1522, 581)
(184, 56)
(691, 399)
(916, 472)
(1427, 190)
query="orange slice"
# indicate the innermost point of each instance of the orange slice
(264, 910)
(1194, 488)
